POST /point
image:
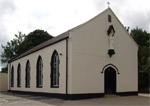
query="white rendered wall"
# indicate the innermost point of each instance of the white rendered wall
(46, 54)
(87, 55)
(90, 44)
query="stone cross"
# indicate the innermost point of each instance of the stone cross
(108, 3)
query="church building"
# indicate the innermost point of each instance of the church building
(92, 60)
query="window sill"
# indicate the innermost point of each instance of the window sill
(54, 86)
(39, 87)
(27, 86)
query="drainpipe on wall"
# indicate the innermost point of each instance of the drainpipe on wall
(9, 65)
(67, 68)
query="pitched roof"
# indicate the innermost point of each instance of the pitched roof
(42, 45)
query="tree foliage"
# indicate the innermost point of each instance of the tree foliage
(142, 38)
(4, 70)
(21, 43)
(12, 47)
(34, 38)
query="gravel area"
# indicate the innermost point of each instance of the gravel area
(9, 99)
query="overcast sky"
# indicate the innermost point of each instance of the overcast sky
(58, 16)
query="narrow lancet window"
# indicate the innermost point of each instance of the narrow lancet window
(19, 76)
(12, 77)
(27, 78)
(39, 76)
(109, 18)
(55, 70)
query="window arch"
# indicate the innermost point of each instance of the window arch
(19, 75)
(12, 76)
(55, 70)
(39, 73)
(27, 78)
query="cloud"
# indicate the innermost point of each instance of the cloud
(131, 13)
(7, 8)
(57, 16)
(141, 20)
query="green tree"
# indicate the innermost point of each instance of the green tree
(127, 28)
(34, 38)
(11, 48)
(21, 43)
(142, 38)
(4, 70)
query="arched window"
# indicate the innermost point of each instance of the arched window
(12, 77)
(19, 75)
(39, 74)
(27, 78)
(55, 70)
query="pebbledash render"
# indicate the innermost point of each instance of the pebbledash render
(94, 59)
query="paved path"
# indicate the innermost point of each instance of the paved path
(144, 94)
(12, 99)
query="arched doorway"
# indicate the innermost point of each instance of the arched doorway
(110, 81)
